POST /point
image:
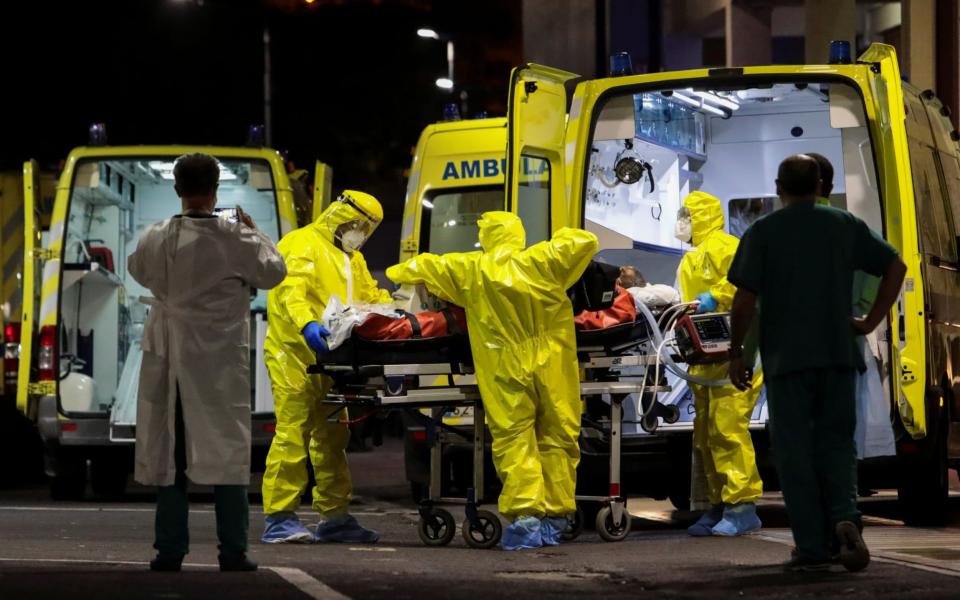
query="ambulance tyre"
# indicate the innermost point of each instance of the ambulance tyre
(575, 528)
(70, 482)
(924, 477)
(108, 477)
(608, 530)
(437, 528)
(486, 533)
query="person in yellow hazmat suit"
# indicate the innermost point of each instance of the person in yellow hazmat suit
(323, 259)
(524, 349)
(720, 430)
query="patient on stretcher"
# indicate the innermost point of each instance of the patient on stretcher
(441, 320)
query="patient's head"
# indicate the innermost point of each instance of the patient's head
(630, 277)
(197, 177)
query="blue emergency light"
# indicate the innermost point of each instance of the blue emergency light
(257, 136)
(97, 134)
(481, 115)
(840, 52)
(451, 112)
(621, 64)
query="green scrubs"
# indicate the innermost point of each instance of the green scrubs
(800, 261)
(173, 508)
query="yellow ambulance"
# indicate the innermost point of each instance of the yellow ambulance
(623, 152)
(82, 318)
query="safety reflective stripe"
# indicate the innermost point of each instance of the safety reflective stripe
(48, 293)
(349, 273)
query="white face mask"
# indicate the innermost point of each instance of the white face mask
(352, 240)
(683, 230)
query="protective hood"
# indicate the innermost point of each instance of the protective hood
(706, 215)
(350, 206)
(499, 229)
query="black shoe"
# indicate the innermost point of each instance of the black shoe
(237, 563)
(166, 563)
(801, 564)
(854, 554)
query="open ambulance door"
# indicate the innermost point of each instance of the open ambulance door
(322, 188)
(32, 274)
(536, 166)
(907, 334)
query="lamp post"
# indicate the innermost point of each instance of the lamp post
(444, 83)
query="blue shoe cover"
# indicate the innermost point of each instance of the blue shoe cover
(738, 519)
(551, 530)
(345, 528)
(285, 528)
(524, 533)
(705, 524)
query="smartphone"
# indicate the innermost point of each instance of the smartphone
(230, 214)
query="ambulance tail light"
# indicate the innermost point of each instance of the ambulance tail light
(621, 64)
(11, 358)
(840, 52)
(47, 356)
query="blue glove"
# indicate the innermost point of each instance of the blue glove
(707, 303)
(314, 334)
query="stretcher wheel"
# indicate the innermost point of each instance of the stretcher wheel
(671, 414)
(486, 533)
(575, 528)
(437, 528)
(650, 422)
(608, 530)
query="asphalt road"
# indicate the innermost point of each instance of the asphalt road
(95, 549)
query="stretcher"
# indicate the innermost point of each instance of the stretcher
(376, 375)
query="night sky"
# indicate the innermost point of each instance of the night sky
(353, 85)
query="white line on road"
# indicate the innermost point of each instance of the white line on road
(310, 586)
(301, 580)
(921, 564)
(372, 549)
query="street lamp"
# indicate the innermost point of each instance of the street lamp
(444, 83)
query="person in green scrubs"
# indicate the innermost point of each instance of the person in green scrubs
(799, 263)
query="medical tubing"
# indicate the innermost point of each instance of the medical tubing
(667, 359)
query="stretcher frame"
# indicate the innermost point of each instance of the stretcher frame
(482, 528)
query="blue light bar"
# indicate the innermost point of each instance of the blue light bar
(840, 52)
(621, 64)
(97, 134)
(451, 112)
(257, 136)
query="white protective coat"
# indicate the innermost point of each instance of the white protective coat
(197, 335)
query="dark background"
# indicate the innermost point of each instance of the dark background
(352, 84)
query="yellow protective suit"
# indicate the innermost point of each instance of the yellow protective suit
(720, 430)
(524, 350)
(316, 269)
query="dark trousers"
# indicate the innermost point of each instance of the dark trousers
(812, 420)
(173, 508)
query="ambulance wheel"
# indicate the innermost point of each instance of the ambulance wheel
(608, 530)
(70, 482)
(437, 528)
(486, 533)
(671, 414)
(575, 528)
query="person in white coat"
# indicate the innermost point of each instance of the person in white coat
(193, 407)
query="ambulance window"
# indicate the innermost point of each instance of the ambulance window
(449, 222)
(937, 232)
(743, 212)
(533, 198)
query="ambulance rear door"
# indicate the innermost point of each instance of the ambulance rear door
(322, 188)
(536, 166)
(32, 275)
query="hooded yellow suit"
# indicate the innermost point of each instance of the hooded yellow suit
(316, 269)
(720, 430)
(524, 350)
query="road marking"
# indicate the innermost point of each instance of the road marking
(372, 549)
(308, 585)
(301, 580)
(878, 553)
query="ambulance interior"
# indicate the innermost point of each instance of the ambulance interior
(112, 201)
(651, 149)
